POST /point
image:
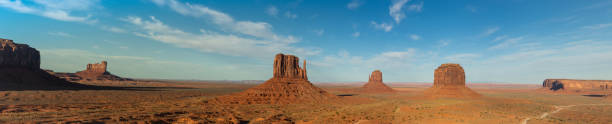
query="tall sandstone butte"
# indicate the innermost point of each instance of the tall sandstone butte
(375, 84)
(20, 69)
(288, 85)
(449, 81)
(570, 84)
(98, 72)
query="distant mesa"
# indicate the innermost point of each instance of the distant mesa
(288, 85)
(98, 72)
(449, 81)
(20, 70)
(376, 85)
(570, 84)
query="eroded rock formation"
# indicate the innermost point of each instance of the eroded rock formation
(288, 85)
(375, 84)
(569, 84)
(94, 72)
(20, 70)
(449, 81)
(12, 54)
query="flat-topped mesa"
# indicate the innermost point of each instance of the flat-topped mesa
(449, 75)
(571, 84)
(287, 67)
(449, 81)
(97, 67)
(21, 55)
(376, 76)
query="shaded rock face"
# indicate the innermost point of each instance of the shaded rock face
(288, 85)
(93, 72)
(375, 83)
(20, 70)
(449, 81)
(449, 75)
(569, 84)
(12, 54)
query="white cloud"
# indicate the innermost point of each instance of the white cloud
(54, 9)
(356, 34)
(384, 26)
(354, 4)
(214, 42)
(416, 7)
(291, 15)
(415, 37)
(598, 26)
(61, 34)
(489, 31)
(498, 38)
(395, 10)
(319, 32)
(113, 29)
(272, 11)
(225, 21)
(506, 43)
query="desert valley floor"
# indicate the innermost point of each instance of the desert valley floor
(185, 102)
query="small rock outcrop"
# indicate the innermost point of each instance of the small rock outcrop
(94, 72)
(449, 81)
(20, 70)
(570, 84)
(288, 85)
(376, 85)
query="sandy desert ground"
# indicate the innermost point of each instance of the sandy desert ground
(185, 102)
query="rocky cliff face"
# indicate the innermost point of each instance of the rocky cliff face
(288, 85)
(375, 83)
(449, 81)
(569, 84)
(93, 72)
(12, 54)
(287, 66)
(449, 75)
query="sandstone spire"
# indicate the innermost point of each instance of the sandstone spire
(375, 83)
(289, 84)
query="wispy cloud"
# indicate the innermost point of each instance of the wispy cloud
(290, 15)
(319, 32)
(462, 57)
(396, 10)
(415, 37)
(354, 4)
(214, 42)
(471, 8)
(489, 31)
(598, 26)
(356, 34)
(506, 43)
(384, 26)
(54, 9)
(272, 11)
(61, 34)
(113, 29)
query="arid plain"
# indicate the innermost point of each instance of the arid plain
(183, 102)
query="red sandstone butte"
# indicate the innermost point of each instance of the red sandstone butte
(96, 72)
(449, 81)
(570, 84)
(288, 85)
(376, 85)
(20, 69)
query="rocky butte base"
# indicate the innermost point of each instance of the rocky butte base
(288, 85)
(20, 70)
(375, 84)
(569, 84)
(93, 72)
(449, 81)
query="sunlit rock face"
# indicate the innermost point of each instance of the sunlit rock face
(449, 81)
(289, 85)
(375, 84)
(569, 84)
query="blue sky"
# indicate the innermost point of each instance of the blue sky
(510, 41)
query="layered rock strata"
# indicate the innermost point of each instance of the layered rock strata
(375, 84)
(288, 85)
(449, 81)
(570, 84)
